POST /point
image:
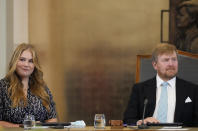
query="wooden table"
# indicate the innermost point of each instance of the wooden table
(91, 128)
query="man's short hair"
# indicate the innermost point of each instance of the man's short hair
(163, 48)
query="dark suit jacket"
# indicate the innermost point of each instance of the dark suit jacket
(186, 113)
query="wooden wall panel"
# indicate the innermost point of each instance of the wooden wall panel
(92, 48)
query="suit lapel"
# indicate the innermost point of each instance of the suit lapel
(179, 96)
(150, 94)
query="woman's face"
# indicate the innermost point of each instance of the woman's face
(25, 65)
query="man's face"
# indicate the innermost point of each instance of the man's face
(166, 66)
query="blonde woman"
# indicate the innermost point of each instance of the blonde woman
(23, 90)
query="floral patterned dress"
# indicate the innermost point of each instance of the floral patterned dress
(34, 106)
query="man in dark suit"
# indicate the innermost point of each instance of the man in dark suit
(181, 97)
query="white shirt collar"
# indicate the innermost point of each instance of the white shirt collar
(171, 82)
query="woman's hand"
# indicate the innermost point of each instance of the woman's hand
(8, 124)
(52, 120)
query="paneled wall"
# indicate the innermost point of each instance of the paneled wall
(88, 51)
(13, 29)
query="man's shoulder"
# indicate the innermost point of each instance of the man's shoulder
(184, 82)
(151, 81)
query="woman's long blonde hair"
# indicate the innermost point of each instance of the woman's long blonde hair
(36, 82)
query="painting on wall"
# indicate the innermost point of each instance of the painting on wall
(183, 30)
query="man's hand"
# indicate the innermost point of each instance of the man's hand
(148, 120)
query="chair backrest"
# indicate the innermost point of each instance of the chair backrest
(188, 67)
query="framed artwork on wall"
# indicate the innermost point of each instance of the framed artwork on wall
(164, 31)
(183, 28)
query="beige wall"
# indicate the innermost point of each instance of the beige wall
(13, 29)
(88, 50)
(2, 38)
(42, 36)
(20, 21)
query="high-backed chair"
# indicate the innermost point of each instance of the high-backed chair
(188, 67)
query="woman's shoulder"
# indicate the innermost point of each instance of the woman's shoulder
(46, 89)
(4, 82)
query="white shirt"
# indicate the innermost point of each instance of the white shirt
(171, 98)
